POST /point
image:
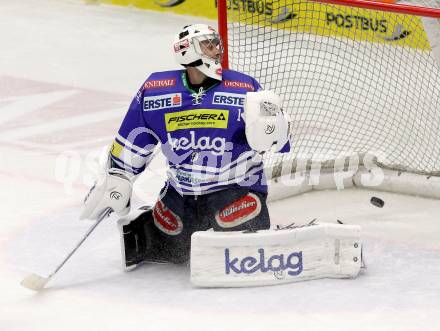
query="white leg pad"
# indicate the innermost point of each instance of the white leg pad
(270, 257)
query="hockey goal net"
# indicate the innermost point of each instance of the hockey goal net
(357, 78)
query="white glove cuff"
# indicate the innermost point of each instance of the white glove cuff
(112, 190)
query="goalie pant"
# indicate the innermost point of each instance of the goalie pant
(163, 233)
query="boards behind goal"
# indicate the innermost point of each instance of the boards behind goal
(360, 81)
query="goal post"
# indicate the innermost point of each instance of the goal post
(360, 82)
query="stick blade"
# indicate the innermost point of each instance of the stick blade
(34, 282)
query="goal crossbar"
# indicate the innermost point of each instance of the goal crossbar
(388, 7)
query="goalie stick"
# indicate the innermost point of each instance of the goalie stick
(36, 282)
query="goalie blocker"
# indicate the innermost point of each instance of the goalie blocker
(269, 257)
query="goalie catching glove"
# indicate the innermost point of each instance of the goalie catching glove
(266, 124)
(112, 190)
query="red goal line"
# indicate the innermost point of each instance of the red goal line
(389, 7)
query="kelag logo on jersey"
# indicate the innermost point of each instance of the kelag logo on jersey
(217, 145)
(228, 99)
(200, 118)
(163, 101)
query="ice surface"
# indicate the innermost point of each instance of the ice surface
(67, 74)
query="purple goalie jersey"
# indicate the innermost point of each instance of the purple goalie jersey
(201, 133)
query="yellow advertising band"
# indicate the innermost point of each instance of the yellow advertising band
(304, 16)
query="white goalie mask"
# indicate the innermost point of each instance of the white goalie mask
(200, 46)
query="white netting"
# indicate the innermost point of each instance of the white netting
(421, 3)
(353, 80)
